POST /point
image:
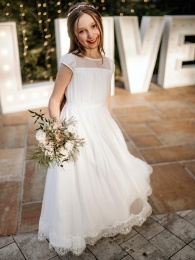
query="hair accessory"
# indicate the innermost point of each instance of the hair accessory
(78, 8)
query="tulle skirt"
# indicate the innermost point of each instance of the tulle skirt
(104, 193)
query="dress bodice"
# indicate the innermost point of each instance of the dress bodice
(91, 79)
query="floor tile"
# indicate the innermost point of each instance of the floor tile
(190, 217)
(191, 167)
(185, 253)
(4, 241)
(161, 95)
(13, 136)
(166, 100)
(32, 248)
(31, 139)
(128, 257)
(167, 243)
(18, 118)
(182, 90)
(86, 255)
(107, 249)
(173, 189)
(190, 100)
(126, 99)
(131, 110)
(11, 252)
(137, 129)
(34, 182)
(140, 248)
(30, 216)
(179, 227)
(146, 141)
(168, 154)
(134, 151)
(157, 216)
(175, 132)
(121, 238)
(150, 228)
(11, 164)
(9, 207)
(142, 118)
(183, 213)
(176, 112)
(192, 244)
(126, 137)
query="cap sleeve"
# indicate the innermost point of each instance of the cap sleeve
(68, 60)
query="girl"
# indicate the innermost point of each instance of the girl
(106, 191)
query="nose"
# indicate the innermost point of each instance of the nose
(90, 34)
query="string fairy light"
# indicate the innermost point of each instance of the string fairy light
(59, 10)
(7, 13)
(25, 39)
(44, 24)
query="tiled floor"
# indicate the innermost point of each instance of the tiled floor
(159, 127)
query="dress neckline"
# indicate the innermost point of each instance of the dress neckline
(91, 58)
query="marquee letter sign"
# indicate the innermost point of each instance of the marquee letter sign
(14, 97)
(137, 48)
(138, 53)
(174, 51)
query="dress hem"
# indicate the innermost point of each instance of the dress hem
(120, 227)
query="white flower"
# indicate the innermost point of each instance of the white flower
(50, 154)
(40, 135)
(69, 145)
(64, 152)
(72, 130)
(49, 147)
(43, 142)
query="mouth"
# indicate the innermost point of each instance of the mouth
(92, 41)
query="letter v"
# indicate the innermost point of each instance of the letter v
(138, 52)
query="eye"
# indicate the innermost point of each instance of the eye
(81, 31)
(94, 26)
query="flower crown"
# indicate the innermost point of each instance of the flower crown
(78, 8)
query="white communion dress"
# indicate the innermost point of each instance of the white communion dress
(105, 192)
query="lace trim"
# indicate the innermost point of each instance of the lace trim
(118, 228)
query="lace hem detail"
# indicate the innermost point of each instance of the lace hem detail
(118, 228)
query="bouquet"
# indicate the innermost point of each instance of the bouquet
(58, 141)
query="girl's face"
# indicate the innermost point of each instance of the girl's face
(87, 32)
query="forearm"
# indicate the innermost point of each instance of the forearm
(63, 78)
(54, 108)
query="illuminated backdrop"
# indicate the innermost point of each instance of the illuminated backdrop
(138, 55)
